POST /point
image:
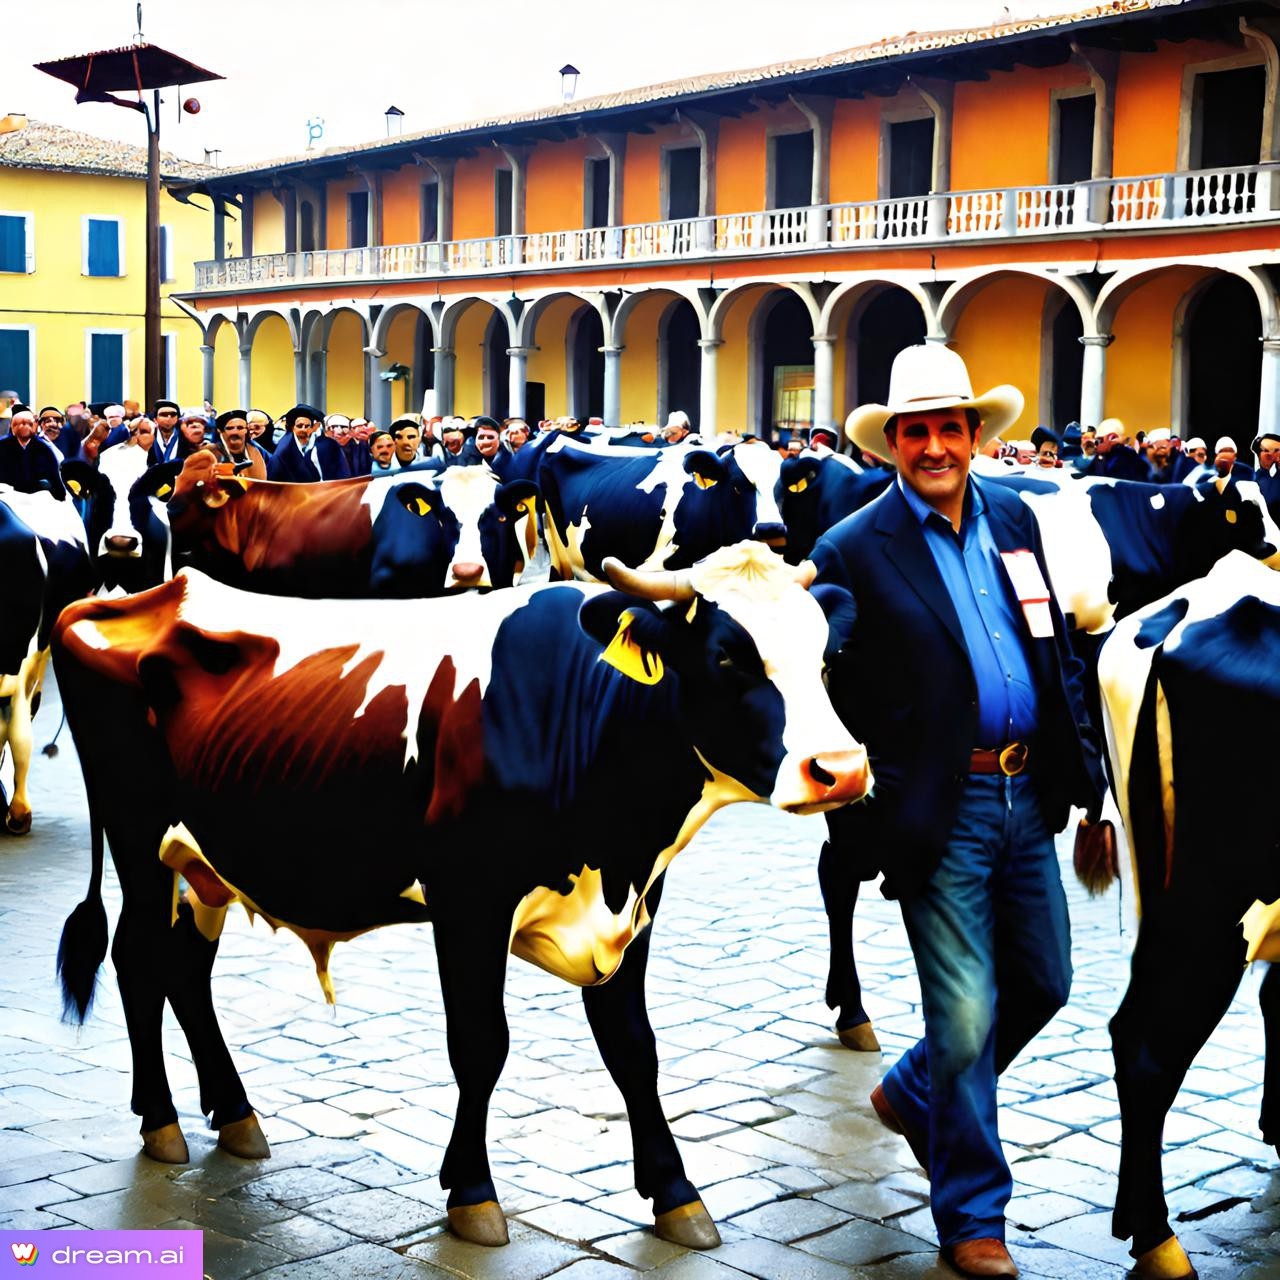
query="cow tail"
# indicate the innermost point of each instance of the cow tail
(83, 945)
(1146, 809)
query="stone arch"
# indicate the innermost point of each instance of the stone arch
(872, 320)
(962, 292)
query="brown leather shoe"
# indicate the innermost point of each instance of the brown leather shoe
(985, 1257)
(919, 1143)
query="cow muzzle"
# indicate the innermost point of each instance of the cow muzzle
(467, 573)
(772, 533)
(814, 784)
(120, 544)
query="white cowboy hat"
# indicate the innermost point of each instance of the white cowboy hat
(928, 377)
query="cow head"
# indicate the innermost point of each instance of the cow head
(496, 527)
(124, 515)
(746, 644)
(1233, 517)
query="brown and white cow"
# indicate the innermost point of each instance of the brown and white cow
(499, 732)
(415, 533)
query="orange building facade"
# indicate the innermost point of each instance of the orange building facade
(1087, 207)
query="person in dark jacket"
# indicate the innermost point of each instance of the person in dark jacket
(28, 462)
(305, 454)
(958, 678)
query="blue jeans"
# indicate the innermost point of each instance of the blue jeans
(992, 944)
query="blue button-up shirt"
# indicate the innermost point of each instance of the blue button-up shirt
(990, 616)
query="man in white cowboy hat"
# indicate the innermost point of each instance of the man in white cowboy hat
(958, 677)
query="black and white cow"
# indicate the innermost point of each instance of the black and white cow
(124, 515)
(1111, 546)
(499, 732)
(44, 565)
(655, 508)
(816, 492)
(1189, 683)
(411, 534)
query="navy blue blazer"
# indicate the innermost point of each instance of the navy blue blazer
(287, 462)
(904, 686)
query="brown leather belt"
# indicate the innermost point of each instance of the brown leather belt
(1010, 760)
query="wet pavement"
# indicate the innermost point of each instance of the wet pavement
(771, 1113)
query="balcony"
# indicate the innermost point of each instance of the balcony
(1206, 197)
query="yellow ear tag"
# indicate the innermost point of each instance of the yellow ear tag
(420, 506)
(704, 482)
(800, 485)
(1231, 517)
(164, 491)
(75, 487)
(623, 654)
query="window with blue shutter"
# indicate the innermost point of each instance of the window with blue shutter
(166, 252)
(13, 242)
(104, 247)
(106, 366)
(15, 362)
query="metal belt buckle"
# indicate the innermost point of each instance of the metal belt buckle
(1013, 759)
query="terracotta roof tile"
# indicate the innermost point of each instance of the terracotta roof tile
(880, 50)
(50, 146)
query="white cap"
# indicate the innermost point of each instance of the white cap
(1224, 442)
(1160, 433)
(1196, 442)
(677, 418)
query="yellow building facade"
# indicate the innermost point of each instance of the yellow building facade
(73, 268)
(1085, 206)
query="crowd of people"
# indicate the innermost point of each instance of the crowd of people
(303, 444)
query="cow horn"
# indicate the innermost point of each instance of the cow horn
(647, 586)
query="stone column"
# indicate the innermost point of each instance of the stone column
(518, 376)
(445, 360)
(824, 380)
(246, 378)
(377, 391)
(612, 385)
(1093, 380)
(707, 386)
(299, 376)
(206, 372)
(318, 384)
(1269, 400)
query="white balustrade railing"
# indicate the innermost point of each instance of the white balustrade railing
(1244, 193)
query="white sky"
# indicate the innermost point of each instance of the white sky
(440, 61)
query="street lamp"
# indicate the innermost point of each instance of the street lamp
(569, 81)
(98, 77)
(394, 114)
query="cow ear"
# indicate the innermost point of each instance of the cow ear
(417, 499)
(517, 498)
(631, 632)
(706, 469)
(158, 482)
(797, 474)
(79, 477)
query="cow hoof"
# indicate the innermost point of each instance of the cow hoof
(244, 1138)
(17, 825)
(482, 1223)
(166, 1144)
(689, 1225)
(1167, 1261)
(861, 1038)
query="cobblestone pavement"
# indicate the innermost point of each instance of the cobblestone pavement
(772, 1115)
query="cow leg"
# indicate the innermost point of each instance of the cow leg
(190, 970)
(1269, 1002)
(839, 876)
(471, 950)
(139, 954)
(19, 712)
(1185, 972)
(619, 1021)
